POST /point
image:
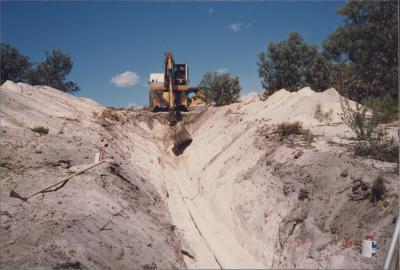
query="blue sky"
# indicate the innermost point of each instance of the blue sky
(109, 38)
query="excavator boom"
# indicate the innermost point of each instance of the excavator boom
(170, 92)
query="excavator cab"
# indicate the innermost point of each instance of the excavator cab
(181, 76)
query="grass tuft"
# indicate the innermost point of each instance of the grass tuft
(41, 130)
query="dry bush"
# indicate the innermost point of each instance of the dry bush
(41, 130)
(285, 130)
(379, 146)
(372, 140)
(110, 114)
(357, 119)
(322, 116)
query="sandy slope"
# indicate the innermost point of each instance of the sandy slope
(233, 197)
(97, 220)
(251, 181)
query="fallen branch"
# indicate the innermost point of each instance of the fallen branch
(63, 181)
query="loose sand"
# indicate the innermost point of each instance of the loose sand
(239, 196)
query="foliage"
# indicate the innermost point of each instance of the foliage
(322, 116)
(348, 81)
(379, 146)
(373, 141)
(220, 89)
(41, 130)
(292, 64)
(15, 66)
(53, 72)
(202, 96)
(357, 119)
(286, 129)
(366, 46)
(385, 108)
(360, 58)
(109, 113)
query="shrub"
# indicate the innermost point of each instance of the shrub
(379, 146)
(109, 114)
(357, 119)
(220, 89)
(373, 141)
(322, 116)
(41, 130)
(285, 130)
(385, 108)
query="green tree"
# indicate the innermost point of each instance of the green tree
(53, 72)
(367, 43)
(292, 64)
(221, 89)
(15, 66)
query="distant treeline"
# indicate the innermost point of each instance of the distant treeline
(53, 71)
(359, 59)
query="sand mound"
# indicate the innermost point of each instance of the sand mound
(285, 106)
(26, 105)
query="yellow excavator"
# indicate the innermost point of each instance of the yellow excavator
(169, 91)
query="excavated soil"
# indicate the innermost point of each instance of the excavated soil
(239, 196)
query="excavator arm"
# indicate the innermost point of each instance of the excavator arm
(169, 78)
(180, 135)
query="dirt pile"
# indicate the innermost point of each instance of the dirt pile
(102, 219)
(296, 106)
(237, 197)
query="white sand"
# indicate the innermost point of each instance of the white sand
(233, 194)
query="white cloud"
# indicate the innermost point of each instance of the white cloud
(236, 27)
(222, 70)
(127, 78)
(248, 25)
(211, 11)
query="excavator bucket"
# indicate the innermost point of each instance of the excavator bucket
(181, 138)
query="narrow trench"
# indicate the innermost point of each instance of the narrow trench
(211, 243)
(175, 161)
(222, 243)
(149, 148)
